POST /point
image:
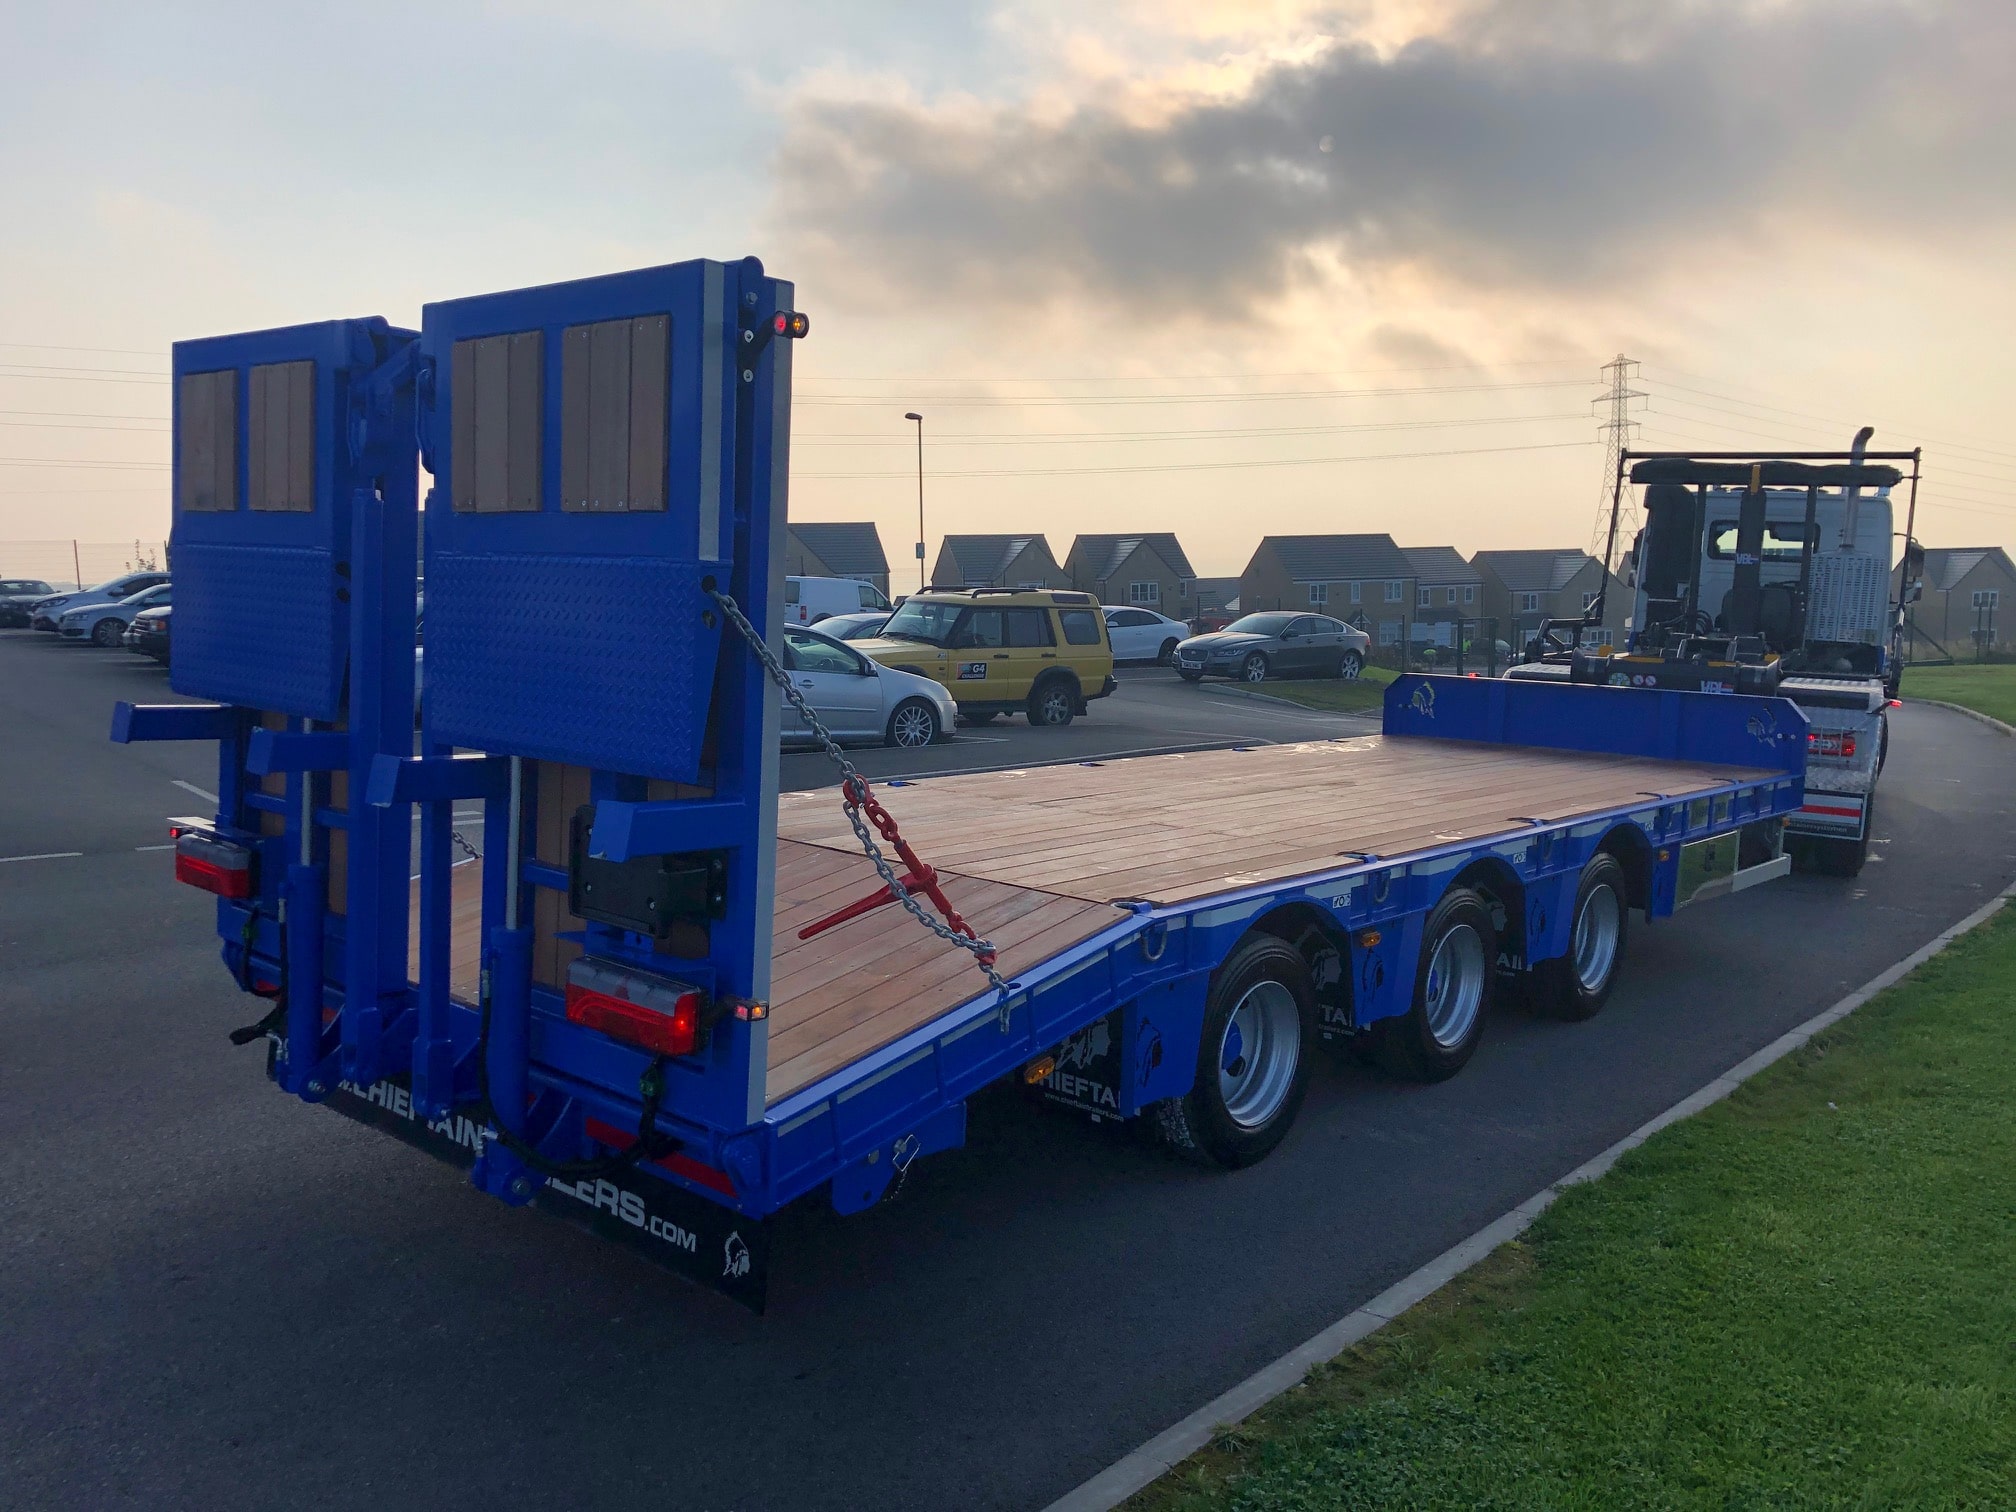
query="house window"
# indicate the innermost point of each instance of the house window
(1529, 603)
(1144, 593)
(1389, 632)
(1424, 597)
(1987, 598)
(1319, 593)
(1357, 593)
(1394, 590)
(1588, 602)
(1451, 596)
(1469, 593)
(1183, 587)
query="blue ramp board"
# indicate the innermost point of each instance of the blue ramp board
(582, 497)
(274, 437)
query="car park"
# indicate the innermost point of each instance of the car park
(105, 624)
(17, 597)
(1039, 652)
(857, 699)
(1142, 635)
(1276, 643)
(812, 600)
(148, 634)
(46, 614)
(849, 627)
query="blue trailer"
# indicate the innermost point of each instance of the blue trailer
(664, 1004)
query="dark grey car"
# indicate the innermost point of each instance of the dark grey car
(1278, 643)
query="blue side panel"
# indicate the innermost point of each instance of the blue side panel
(261, 627)
(1721, 729)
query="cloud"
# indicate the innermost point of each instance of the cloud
(1547, 144)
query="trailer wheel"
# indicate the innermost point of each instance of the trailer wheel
(1577, 985)
(1453, 988)
(1253, 1061)
(1836, 858)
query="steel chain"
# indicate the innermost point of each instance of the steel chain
(456, 836)
(851, 783)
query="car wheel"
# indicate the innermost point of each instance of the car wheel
(1252, 1061)
(1253, 669)
(107, 632)
(1053, 703)
(1577, 985)
(1453, 984)
(913, 724)
(1167, 654)
(983, 718)
(1189, 676)
(1351, 666)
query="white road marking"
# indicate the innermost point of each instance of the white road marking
(169, 846)
(45, 856)
(190, 787)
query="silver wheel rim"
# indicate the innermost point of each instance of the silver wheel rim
(1349, 671)
(1055, 704)
(1596, 929)
(913, 726)
(1455, 986)
(1258, 1054)
(1256, 669)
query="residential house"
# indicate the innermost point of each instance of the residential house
(1149, 571)
(1522, 588)
(846, 550)
(1365, 579)
(997, 561)
(1969, 597)
(1446, 590)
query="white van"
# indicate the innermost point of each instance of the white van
(808, 600)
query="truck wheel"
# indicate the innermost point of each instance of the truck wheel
(1053, 703)
(1253, 669)
(1453, 982)
(1837, 858)
(1252, 1062)
(1577, 985)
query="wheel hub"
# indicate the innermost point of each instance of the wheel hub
(1597, 926)
(1259, 1053)
(1455, 987)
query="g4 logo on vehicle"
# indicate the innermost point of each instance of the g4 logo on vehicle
(972, 671)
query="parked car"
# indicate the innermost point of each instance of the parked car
(809, 600)
(1277, 643)
(105, 624)
(857, 699)
(1211, 619)
(1142, 635)
(17, 597)
(148, 634)
(1040, 652)
(849, 627)
(45, 613)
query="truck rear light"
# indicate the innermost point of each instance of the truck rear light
(640, 1008)
(205, 859)
(1831, 743)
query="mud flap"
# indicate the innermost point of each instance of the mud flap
(716, 1246)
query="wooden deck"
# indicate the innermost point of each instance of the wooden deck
(1037, 858)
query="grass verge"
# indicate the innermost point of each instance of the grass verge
(1987, 687)
(1803, 1297)
(1366, 691)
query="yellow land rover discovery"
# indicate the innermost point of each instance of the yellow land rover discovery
(1039, 652)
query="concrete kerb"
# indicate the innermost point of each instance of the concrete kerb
(1987, 719)
(1174, 1444)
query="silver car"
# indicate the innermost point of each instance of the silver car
(1279, 643)
(857, 700)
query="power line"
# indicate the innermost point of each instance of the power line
(1154, 467)
(55, 346)
(117, 430)
(73, 462)
(1616, 507)
(1446, 367)
(1228, 396)
(109, 376)
(1066, 438)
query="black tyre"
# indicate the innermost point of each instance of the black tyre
(1351, 666)
(912, 724)
(1052, 703)
(1835, 858)
(1252, 1062)
(984, 717)
(1254, 668)
(1167, 654)
(1454, 982)
(1189, 676)
(1577, 985)
(107, 632)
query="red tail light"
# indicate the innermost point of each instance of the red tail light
(638, 1007)
(206, 860)
(1831, 743)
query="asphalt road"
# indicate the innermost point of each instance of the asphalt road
(213, 1296)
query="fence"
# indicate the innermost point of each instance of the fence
(77, 564)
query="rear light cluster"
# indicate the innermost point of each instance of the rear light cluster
(1831, 743)
(204, 859)
(640, 1008)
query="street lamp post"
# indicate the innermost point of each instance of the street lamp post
(913, 415)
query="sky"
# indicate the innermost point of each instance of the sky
(1228, 269)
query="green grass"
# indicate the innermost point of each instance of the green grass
(1987, 688)
(1804, 1297)
(1366, 691)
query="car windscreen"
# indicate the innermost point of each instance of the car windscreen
(24, 585)
(1260, 624)
(924, 620)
